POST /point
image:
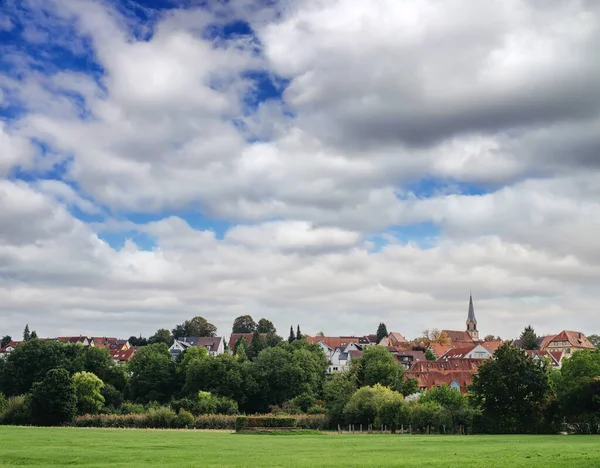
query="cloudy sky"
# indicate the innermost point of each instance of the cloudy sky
(329, 163)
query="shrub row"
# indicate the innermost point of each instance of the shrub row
(167, 418)
(157, 419)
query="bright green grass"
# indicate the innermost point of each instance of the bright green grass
(47, 447)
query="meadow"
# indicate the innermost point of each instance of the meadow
(131, 448)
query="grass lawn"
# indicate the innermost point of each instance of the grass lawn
(23, 446)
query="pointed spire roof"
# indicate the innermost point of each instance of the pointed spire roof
(471, 317)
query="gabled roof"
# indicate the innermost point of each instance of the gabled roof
(71, 339)
(397, 338)
(353, 353)
(333, 341)
(11, 344)
(122, 355)
(439, 349)
(416, 355)
(539, 353)
(492, 346)
(211, 343)
(458, 336)
(574, 338)
(457, 353)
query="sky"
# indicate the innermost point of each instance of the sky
(333, 164)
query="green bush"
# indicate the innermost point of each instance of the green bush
(17, 412)
(215, 421)
(227, 406)
(184, 419)
(241, 422)
(132, 408)
(271, 421)
(161, 418)
(312, 421)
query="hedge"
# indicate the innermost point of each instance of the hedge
(166, 418)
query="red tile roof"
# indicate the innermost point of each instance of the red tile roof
(10, 344)
(574, 338)
(435, 373)
(334, 341)
(457, 353)
(397, 338)
(492, 346)
(122, 355)
(439, 349)
(458, 336)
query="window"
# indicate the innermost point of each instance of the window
(568, 350)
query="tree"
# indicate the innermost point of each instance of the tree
(137, 341)
(429, 355)
(491, 338)
(529, 339)
(240, 353)
(298, 334)
(244, 324)
(337, 391)
(595, 339)
(241, 342)
(88, 389)
(30, 362)
(292, 336)
(257, 344)
(26, 333)
(152, 374)
(33, 335)
(53, 400)
(5, 340)
(266, 326)
(162, 335)
(513, 391)
(381, 332)
(198, 326)
(320, 334)
(378, 366)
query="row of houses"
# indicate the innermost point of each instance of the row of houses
(457, 356)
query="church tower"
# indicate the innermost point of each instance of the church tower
(472, 321)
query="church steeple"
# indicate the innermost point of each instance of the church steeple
(472, 321)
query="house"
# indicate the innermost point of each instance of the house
(459, 339)
(334, 342)
(101, 342)
(82, 340)
(407, 358)
(568, 342)
(368, 340)
(341, 357)
(554, 357)
(492, 346)
(439, 349)
(236, 336)
(10, 346)
(456, 373)
(396, 339)
(121, 357)
(215, 345)
(120, 345)
(468, 352)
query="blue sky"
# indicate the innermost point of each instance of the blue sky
(296, 158)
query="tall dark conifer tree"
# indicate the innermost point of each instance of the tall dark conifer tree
(292, 337)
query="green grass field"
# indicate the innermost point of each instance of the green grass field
(20, 446)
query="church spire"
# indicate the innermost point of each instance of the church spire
(472, 321)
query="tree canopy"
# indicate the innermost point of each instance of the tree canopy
(529, 339)
(382, 332)
(198, 326)
(244, 324)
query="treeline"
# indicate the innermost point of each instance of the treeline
(50, 383)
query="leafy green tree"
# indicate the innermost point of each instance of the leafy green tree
(362, 406)
(391, 409)
(241, 342)
(53, 400)
(88, 389)
(429, 355)
(29, 363)
(286, 371)
(190, 355)
(113, 398)
(292, 337)
(512, 390)
(529, 339)
(337, 391)
(198, 326)
(595, 339)
(206, 403)
(240, 351)
(303, 402)
(378, 366)
(5, 340)
(137, 341)
(381, 332)
(223, 375)
(257, 344)
(272, 340)
(26, 333)
(152, 374)
(244, 324)
(162, 335)
(266, 326)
